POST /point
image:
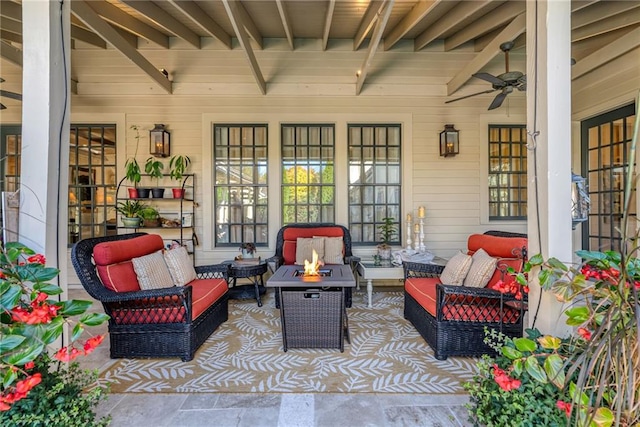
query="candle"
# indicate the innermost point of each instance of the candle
(416, 228)
(409, 218)
(421, 212)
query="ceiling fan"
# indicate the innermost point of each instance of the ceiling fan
(8, 94)
(505, 83)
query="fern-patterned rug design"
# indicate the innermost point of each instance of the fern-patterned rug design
(386, 355)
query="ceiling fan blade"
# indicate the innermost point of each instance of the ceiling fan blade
(489, 78)
(469, 96)
(522, 83)
(497, 101)
(11, 95)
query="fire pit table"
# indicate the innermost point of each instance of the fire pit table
(312, 309)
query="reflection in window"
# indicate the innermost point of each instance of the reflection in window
(374, 180)
(507, 172)
(92, 181)
(240, 158)
(308, 181)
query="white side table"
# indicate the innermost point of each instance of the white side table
(369, 271)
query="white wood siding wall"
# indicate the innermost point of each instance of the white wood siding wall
(309, 83)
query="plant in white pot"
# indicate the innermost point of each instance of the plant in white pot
(130, 210)
(388, 230)
(178, 166)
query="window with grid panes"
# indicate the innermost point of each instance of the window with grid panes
(92, 181)
(374, 180)
(308, 180)
(240, 159)
(507, 172)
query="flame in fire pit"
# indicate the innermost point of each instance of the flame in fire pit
(312, 268)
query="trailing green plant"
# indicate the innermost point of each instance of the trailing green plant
(388, 230)
(153, 167)
(130, 208)
(66, 397)
(178, 166)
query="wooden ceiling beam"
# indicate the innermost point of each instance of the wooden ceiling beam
(10, 37)
(11, 53)
(232, 8)
(608, 53)
(121, 19)
(510, 32)
(165, 20)
(10, 25)
(286, 22)
(367, 22)
(249, 26)
(599, 11)
(460, 12)
(410, 20)
(381, 23)
(195, 13)
(87, 15)
(606, 25)
(499, 16)
(11, 10)
(327, 23)
(87, 36)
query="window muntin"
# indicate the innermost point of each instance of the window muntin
(240, 158)
(308, 179)
(507, 172)
(375, 185)
(92, 181)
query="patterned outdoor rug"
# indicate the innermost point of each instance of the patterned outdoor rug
(386, 355)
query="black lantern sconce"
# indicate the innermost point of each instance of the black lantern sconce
(449, 141)
(159, 141)
(579, 200)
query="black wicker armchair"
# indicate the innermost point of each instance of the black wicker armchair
(453, 319)
(286, 241)
(156, 322)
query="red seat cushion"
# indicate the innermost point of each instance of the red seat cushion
(205, 293)
(423, 290)
(291, 234)
(113, 260)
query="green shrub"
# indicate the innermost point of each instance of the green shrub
(65, 398)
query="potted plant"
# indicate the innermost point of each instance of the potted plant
(247, 249)
(130, 210)
(153, 167)
(150, 216)
(388, 229)
(178, 166)
(132, 168)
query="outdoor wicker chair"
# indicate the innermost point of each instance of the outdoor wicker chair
(156, 322)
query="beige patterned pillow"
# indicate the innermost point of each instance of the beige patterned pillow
(482, 267)
(152, 271)
(180, 266)
(333, 250)
(456, 269)
(305, 247)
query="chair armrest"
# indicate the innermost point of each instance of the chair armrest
(453, 296)
(419, 269)
(182, 292)
(214, 271)
(277, 261)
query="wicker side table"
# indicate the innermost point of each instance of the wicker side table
(252, 272)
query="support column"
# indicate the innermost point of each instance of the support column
(549, 164)
(45, 130)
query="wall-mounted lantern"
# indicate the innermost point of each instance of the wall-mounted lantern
(159, 141)
(579, 200)
(449, 141)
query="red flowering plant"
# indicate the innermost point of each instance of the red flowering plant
(30, 321)
(591, 378)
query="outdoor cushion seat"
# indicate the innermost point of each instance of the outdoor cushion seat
(452, 319)
(164, 322)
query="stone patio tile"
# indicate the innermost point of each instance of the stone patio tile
(348, 410)
(248, 400)
(146, 409)
(419, 399)
(462, 415)
(201, 418)
(296, 410)
(420, 416)
(200, 401)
